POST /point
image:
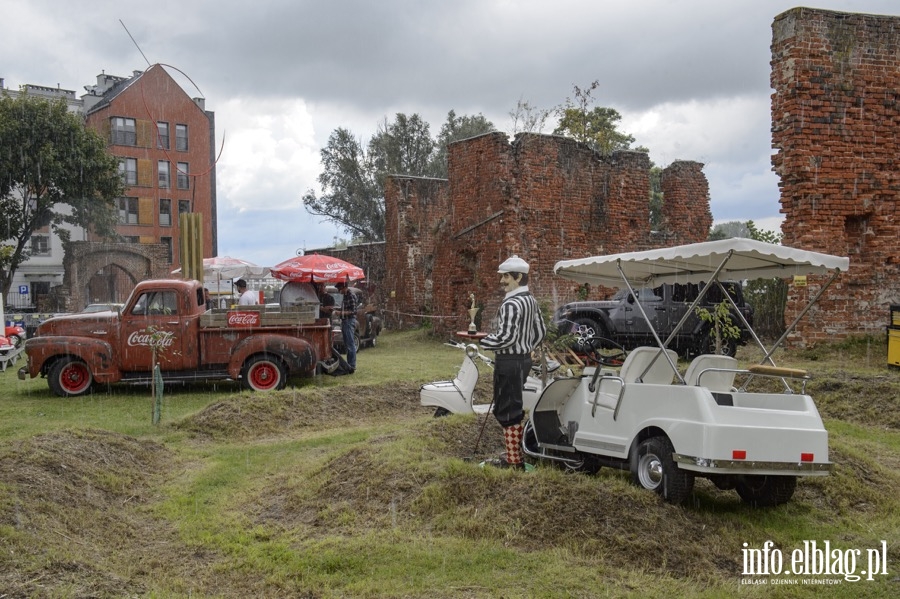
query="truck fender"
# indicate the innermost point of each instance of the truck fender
(97, 354)
(297, 354)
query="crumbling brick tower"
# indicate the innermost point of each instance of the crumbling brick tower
(543, 197)
(835, 123)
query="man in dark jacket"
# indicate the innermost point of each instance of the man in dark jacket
(348, 323)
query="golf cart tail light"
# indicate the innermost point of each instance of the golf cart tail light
(739, 454)
(807, 457)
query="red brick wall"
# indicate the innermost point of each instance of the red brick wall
(545, 198)
(835, 119)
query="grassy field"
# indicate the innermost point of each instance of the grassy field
(346, 487)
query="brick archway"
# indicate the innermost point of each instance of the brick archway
(118, 265)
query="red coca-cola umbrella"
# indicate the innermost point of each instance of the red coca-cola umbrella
(316, 268)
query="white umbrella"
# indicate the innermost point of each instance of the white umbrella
(226, 267)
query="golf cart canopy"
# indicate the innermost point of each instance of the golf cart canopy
(727, 259)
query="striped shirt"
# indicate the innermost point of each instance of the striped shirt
(520, 325)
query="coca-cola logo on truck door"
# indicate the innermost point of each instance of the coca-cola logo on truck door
(241, 318)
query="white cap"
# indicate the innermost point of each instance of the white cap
(514, 264)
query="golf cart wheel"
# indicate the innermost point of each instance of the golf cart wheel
(656, 470)
(441, 412)
(264, 373)
(70, 377)
(766, 491)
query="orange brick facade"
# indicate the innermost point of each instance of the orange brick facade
(543, 197)
(835, 121)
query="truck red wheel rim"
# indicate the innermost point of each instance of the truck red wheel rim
(264, 376)
(74, 377)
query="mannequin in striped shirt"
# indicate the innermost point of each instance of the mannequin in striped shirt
(520, 330)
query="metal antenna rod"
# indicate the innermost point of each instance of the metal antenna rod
(134, 42)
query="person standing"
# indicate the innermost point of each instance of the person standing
(348, 323)
(248, 298)
(520, 329)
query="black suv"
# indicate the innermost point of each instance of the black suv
(620, 320)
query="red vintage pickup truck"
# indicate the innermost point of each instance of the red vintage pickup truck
(259, 347)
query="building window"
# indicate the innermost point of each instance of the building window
(163, 174)
(162, 140)
(128, 170)
(183, 179)
(128, 211)
(181, 138)
(184, 207)
(40, 245)
(167, 241)
(165, 212)
(122, 131)
(130, 239)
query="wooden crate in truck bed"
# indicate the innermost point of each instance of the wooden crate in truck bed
(247, 316)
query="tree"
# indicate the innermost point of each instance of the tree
(454, 129)
(596, 127)
(767, 296)
(352, 179)
(351, 196)
(53, 171)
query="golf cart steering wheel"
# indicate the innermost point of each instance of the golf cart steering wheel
(605, 352)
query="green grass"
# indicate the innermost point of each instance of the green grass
(345, 487)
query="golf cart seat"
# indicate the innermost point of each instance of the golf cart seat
(636, 363)
(720, 378)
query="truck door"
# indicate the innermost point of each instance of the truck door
(653, 304)
(154, 315)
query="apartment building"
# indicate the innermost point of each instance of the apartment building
(165, 143)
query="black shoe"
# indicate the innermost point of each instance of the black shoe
(502, 463)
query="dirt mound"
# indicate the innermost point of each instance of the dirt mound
(869, 400)
(371, 487)
(253, 415)
(68, 489)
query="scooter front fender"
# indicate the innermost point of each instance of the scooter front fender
(447, 395)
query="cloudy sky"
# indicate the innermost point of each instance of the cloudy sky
(689, 77)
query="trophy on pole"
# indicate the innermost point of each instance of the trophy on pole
(472, 312)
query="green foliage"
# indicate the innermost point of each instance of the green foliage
(352, 179)
(49, 160)
(722, 328)
(596, 127)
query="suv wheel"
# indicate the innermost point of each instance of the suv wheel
(583, 328)
(708, 346)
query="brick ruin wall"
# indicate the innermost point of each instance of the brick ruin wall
(835, 123)
(543, 197)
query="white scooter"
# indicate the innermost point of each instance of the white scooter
(456, 396)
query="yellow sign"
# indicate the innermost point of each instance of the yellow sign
(799, 280)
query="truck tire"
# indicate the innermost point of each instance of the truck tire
(766, 491)
(264, 373)
(654, 469)
(583, 328)
(69, 377)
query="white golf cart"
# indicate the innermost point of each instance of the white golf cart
(665, 426)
